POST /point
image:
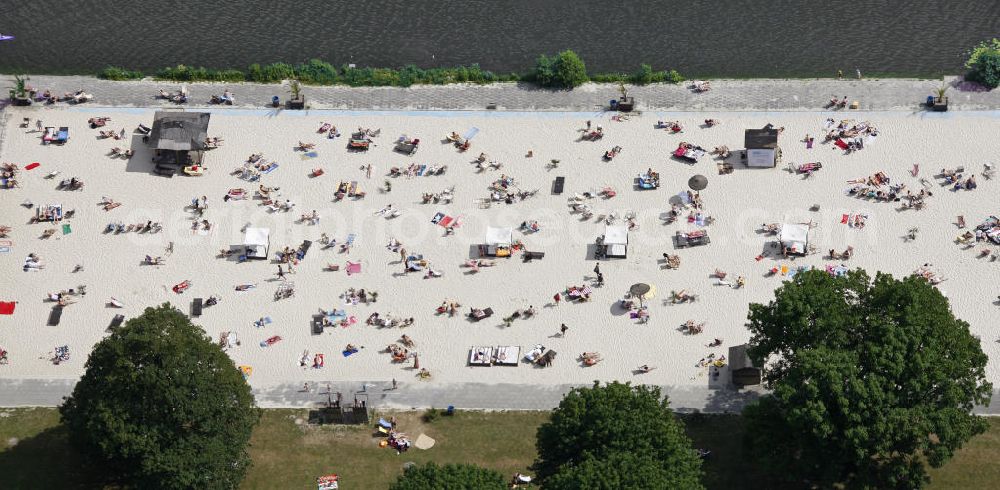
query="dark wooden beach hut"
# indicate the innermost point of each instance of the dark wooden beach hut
(178, 139)
(741, 368)
(761, 147)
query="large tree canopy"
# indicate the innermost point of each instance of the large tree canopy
(450, 476)
(592, 427)
(161, 406)
(868, 379)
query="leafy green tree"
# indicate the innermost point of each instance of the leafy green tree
(161, 406)
(593, 427)
(869, 379)
(984, 64)
(622, 469)
(545, 72)
(570, 70)
(450, 476)
(644, 75)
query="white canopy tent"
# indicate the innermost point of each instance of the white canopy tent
(256, 242)
(498, 240)
(615, 241)
(795, 237)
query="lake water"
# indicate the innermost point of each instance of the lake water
(733, 38)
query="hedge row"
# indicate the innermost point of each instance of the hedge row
(562, 70)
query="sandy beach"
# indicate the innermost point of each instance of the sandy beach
(739, 202)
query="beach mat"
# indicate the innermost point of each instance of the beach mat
(66, 229)
(424, 442)
(32, 166)
(844, 218)
(7, 307)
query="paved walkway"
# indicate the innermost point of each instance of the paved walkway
(726, 95)
(418, 395)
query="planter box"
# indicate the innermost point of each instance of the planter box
(940, 104)
(626, 104)
(297, 103)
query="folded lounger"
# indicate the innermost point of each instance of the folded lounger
(55, 315)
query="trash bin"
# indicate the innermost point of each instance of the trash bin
(614, 104)
(451, 410)
(930, 100)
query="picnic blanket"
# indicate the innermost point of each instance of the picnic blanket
(7, 307)
(424, 442)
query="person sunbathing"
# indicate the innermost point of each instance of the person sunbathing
(645, 368)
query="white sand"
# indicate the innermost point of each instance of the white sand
(740, 202)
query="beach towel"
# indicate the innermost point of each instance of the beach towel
(263, 321)
(7, 307)
(472, 132)
(349, 352)
(66, 229)
(841, 144)
(310, 154)
(844, 219)
(683, 195)
(446, 221)
(270, 168)
(421, 169)
(5, 246)
(437, 218)
(353, 268)
(32, 165)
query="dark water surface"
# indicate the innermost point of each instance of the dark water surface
(736, 38)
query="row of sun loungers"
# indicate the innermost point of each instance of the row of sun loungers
(503, 355)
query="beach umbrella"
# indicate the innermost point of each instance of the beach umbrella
(640, 290)
(698, 182)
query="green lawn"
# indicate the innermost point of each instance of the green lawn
(288, 453)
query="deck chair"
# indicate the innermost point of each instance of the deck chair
(116, 321)
(196, 307)
(55, 315)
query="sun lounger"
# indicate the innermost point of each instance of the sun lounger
(477, 315)
(692, 239)
(317, 324)
(407, 147)
(507, 355)
(546, 359)
(529, 256)
(116, 321)
(481, 356)
(558, 184)
(196, 306)
(55, 315)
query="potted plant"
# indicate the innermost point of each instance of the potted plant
(940, 102)
(625, 103)
(298, 101)
(19, 93)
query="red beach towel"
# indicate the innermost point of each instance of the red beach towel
(32, 165)
(844, 218)
(7, 307)
(841, 144)
(446, 221)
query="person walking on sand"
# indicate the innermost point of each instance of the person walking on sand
(281, 273)
(597, 268)
(557, 298)
(38, 125)
(394, 383)
(840, 74)
(562, 330)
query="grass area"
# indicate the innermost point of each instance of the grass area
(288, 453)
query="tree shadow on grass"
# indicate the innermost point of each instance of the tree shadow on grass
(46, 460)
(730, 464)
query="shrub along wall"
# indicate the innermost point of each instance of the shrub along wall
(565, 70)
